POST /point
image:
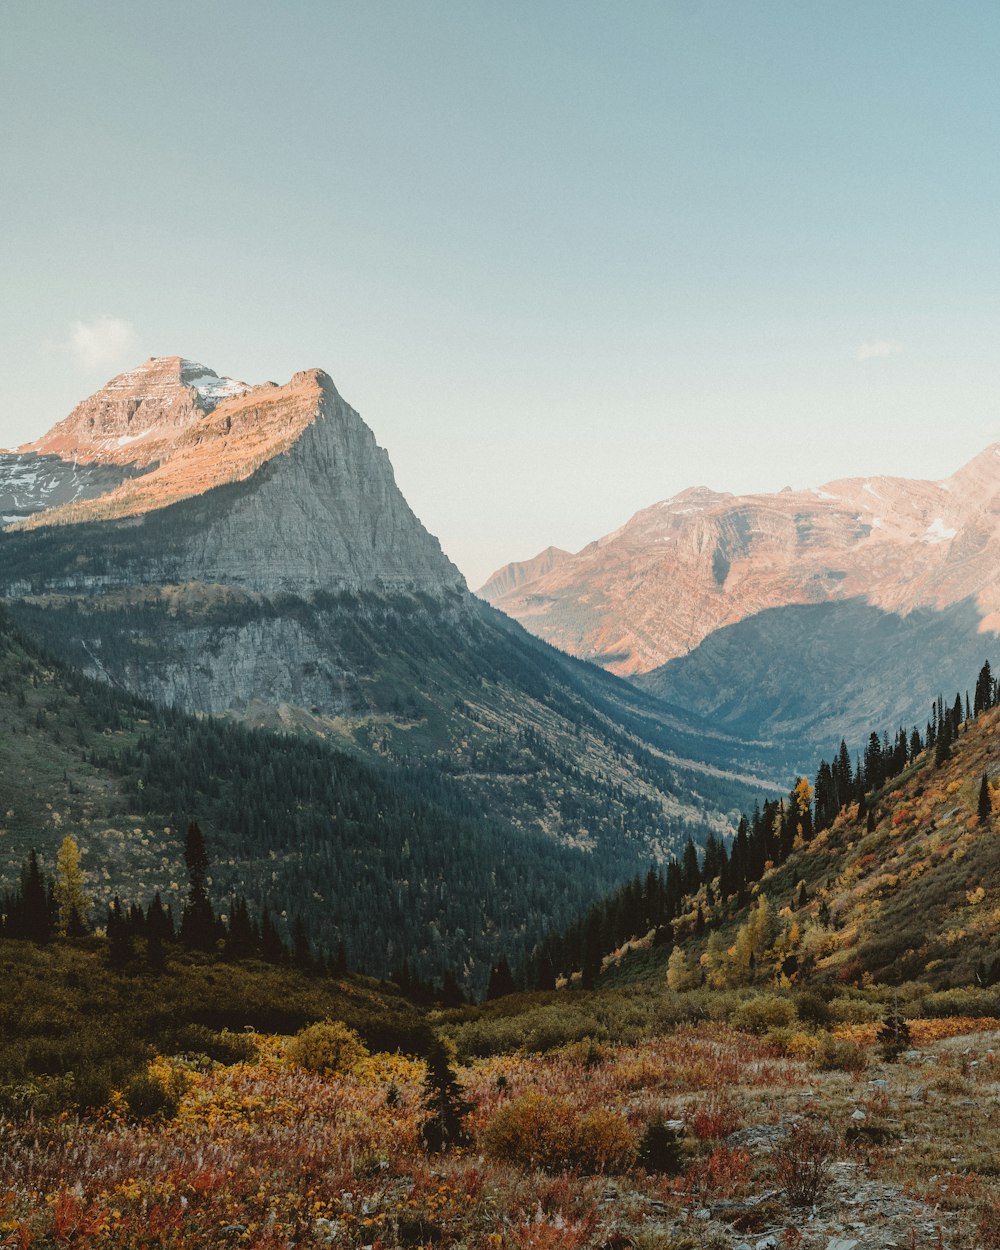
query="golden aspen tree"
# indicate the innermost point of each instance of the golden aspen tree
(73, 904)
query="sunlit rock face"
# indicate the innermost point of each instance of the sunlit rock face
(268, 488)
(684, 568)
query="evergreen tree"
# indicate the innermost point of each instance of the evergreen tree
(198, 921)
(272, 948)
(443, 1104)
(691, 868)
(241, 933)
(301, 949)
(31, 915)
(983, 695)
(894, 1034)
(985, 808)
(120, 942)
(942, 746)
(501, 982)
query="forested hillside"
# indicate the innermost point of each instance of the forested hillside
(886, 867)
(394, 863)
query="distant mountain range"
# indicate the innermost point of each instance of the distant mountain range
(796, 615)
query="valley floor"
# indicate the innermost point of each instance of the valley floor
(264, 1154)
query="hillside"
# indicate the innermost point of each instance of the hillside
(395, 863)
(898, 886)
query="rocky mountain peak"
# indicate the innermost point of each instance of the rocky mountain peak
(136, 414)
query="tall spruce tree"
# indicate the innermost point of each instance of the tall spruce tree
(198, 920)
(443, 1104)
(985, 807)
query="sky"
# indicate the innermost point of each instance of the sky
(566, 259)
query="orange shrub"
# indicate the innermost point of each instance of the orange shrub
(540, 1131)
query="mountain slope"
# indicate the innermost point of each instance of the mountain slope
(265, 566)
(685, 567)
(902, 887)
(394, 863)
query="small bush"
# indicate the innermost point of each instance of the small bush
(222, 1047)
(329, 1047)
(848, 1010)
(972, 1001)
(538, 1131)
(811, 1009)
(147, 1097)
(588, 1053)
(759, 1015)
(836, 1054)
(604, 1142)
(803, 1163)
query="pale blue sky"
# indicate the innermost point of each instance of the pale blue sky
(565, 258)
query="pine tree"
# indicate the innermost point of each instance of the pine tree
(32, 911)
(985, 808)
(501, 982)
(443, 1104)
(942, 747)
(120, 943)
(983, 695)
(894, 1034)
(198, 921)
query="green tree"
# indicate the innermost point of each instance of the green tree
(443, 1104)
(198, 920)
(985, 808)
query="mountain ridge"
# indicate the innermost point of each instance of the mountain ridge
(676, 571)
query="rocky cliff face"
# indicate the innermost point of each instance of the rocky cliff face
(268, 488)
(686, 567)
(248, 553)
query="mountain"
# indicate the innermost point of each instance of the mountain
(257, 561)
(859, 567)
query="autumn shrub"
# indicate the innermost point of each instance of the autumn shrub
(836, 1054)
(811, 1009)
(803, 1161)
(540, 1131)
(537, 1031)
(971, 1001)
(848, 1009)
(760, 1015)
(604, 1142)
(328, 1046)
(150, 1096)
(588, 1053)
(718, 1117)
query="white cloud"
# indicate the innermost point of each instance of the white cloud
(103, 343)
(878, 349)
